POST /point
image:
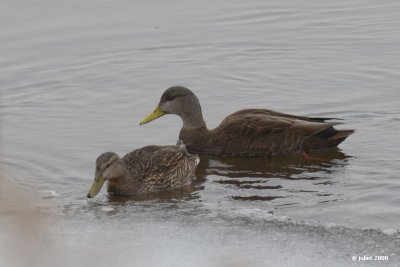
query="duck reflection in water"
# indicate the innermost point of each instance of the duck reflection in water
(266, 179)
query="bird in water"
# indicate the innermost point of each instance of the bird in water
(248, 132)
(146, 170)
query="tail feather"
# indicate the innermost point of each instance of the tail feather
(328, 138)
(339, 137)
(341, 134)
(321, 119)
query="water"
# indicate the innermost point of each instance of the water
(78, 76)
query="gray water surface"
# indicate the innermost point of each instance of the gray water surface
(78, 76)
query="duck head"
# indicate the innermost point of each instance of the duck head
(109, 166)
(180, 101)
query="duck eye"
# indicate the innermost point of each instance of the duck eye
(105, 167)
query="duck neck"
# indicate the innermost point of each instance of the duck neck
(123, 184)
(193, 117)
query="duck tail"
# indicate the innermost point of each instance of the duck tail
(340, 136)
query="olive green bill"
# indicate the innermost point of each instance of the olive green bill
(152, 116)
(96, 186)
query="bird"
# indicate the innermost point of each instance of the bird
(248, 132)
(149, 169)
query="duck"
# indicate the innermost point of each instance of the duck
(150, 169)
(247, 132)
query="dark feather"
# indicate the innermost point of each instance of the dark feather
(261, 132)
(158, 168)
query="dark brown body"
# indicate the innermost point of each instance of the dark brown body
(259, 132)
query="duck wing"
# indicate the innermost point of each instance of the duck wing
(269, 112)
(258, 132)
(153, 160)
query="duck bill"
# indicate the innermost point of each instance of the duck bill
(96, 186)
(152, 116)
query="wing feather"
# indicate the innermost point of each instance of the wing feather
(260, 131)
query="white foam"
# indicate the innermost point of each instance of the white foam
(106, 209)
(49, 193)
(390, 231)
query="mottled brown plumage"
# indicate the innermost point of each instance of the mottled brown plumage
(145, 170)
(249, 132)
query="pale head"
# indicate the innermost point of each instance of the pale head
(180, 101)
(109, 166)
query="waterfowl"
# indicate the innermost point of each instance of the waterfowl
(146, 170)
(248, 132)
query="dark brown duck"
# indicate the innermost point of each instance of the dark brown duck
(248, 132)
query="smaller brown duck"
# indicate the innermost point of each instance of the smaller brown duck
(248, 132)
(146, 170)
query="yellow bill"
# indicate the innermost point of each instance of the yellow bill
(96, 186)
(152, 116)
